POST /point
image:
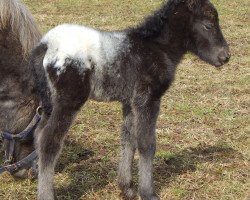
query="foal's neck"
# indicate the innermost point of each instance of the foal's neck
(166, 29)
(172, 43)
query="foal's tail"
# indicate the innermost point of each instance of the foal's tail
(41, 82)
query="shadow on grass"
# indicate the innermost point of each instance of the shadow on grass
(91, 173)
(188, 159)
(87, 171)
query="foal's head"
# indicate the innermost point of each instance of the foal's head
(202, 31)
(206, 39)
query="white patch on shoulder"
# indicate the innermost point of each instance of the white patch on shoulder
(89, 46)
(71, 41)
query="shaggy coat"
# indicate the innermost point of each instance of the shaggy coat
(135, 67)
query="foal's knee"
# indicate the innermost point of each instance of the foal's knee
(146, 146)
(48, 147)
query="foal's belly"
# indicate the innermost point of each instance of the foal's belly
(108, 85)
(105, 90)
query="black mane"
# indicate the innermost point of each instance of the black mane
(154, 24)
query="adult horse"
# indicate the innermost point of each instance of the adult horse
(18, 102)
(134, 66)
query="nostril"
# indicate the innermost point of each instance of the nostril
(224, 56)
(226, 60)
(228, 55)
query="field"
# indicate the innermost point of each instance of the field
(203, 131)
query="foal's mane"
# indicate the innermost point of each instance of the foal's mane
(153, 25)
(14, 15)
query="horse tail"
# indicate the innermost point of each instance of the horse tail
(16, 17)
(41, 82)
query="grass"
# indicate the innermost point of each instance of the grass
(203, 128)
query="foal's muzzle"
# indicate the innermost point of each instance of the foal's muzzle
(223, 57)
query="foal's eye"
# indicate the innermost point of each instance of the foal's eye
(207, 26)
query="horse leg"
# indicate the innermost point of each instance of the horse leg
(145, 122)
(70, 91)
(128, 146)
(50, 141)
(34, 168)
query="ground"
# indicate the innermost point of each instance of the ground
(203, 128)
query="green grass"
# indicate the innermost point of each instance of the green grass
(203, 128)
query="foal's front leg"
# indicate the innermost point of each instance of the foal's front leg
(145, 122)
(128, 146)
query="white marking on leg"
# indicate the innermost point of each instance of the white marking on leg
(145, 174)
(45, 184)
(125, 165)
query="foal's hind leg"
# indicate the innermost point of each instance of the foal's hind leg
(145, 117)
(128, 146)
(50, 141)
(70, 91)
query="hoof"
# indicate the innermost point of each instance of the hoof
(150, 197)
(45, 197)
(129, 194)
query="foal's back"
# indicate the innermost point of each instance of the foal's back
(105, 54)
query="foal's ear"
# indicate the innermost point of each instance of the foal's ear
(195, 5)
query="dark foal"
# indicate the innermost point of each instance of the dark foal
(135, 67)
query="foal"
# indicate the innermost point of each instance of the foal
(135, 67)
